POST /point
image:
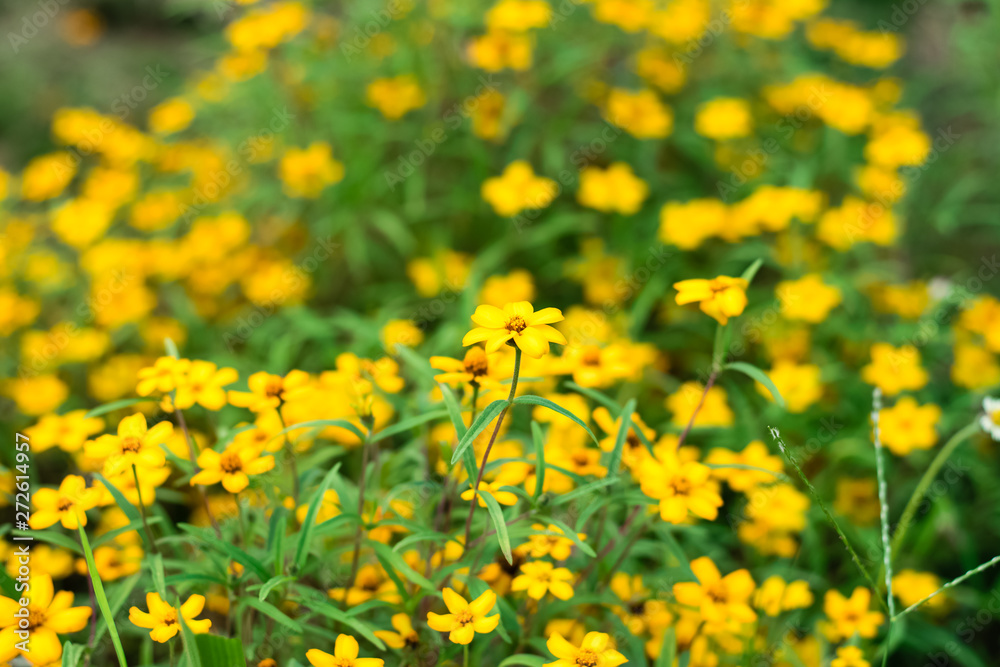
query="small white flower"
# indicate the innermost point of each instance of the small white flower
(991, 420)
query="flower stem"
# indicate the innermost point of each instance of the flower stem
(290, 455)
(361, 511)
(142, 512)
(465, 656)
(486, 456)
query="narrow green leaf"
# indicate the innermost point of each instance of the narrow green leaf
(309, 525)
(571, 534)
(524, 659)
(116, 405)
(597, 396)
(132, 525)
(117, 600)
(231, 550)
(327, 609)
(159, 576)
(320, 424)
(271, 611)
(271, 584)
(52, 537)
(539, 441)
(189, 642)
(583, 490)
(217, 651)
(615, 462)
(102, 599)
(530, 399)
(668, 650)
(394, 559)
(751, 271)
(758, 375)
(499, 523)
(454, 410)
(482, 421)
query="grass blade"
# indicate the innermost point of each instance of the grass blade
(102, 599)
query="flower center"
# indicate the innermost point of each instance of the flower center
(516, 324)
(131, 445)
(36, 618)
(476, 365)
(273, 388)
(464, 617)
(995, 417)
(592, 357)
(681, 486)
(586, 658)
(231, 463)
(65, 505)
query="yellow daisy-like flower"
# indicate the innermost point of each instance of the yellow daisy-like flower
(596, 650)
(718, 599)
(50, 614)
(345, 654)
(161, 619)
(232, 467)
(134, 445)
(681, 487)
(517, 324)
(476, 368)
(67, 505)
(540, 577)
(404, 634)
(203, 385)
(466, 618)
(720, 298)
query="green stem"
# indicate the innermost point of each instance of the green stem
(465, 656)
(486, 456)
(290, 455)
(362, 483)
(954, 582)
(142, 512)
(102, 599)
(925, 482)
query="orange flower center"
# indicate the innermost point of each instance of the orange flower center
(586, 658)
(36, 618)
(65, 505)
(231, 463)
(131, 444)
(516, 324)
(592, 357)
(273, 388)
(476, 365)
(464, 617)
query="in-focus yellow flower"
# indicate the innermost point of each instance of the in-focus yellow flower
(681, 487)
(718, 599)
(163, 376)
(133, 446)
(50, 614)
(596, 650)
(721, 297)
(465, 619)
(162, 619)
(233, 467)
(345, 654)
(847, 616)
(518, 323)
(67, 505)
(540, 577)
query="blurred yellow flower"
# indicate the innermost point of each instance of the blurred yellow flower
(306, 172)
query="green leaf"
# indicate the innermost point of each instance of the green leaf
(327, 609)
(615, 462)
(116, 405)
(231, 550)
(499, 523)
(394, 559)
(597, 396)
(72, 653)
(102, 599)
(171, 347)
(531, 399)
(276, 537)
(668, 651)
(271, 584)
(482, 421)
(309, 525)
(189, 642)
(52, 537)
(751, 271)
(218, 651)
(319, 424)
(117, 600)
(525, 659)
(419, 364)
(583, 490)
(539, 441)
(271, 611)
(132, 525)
(407, 424)
(130, 510)
(760, 376)
(454, 410)
(159, 576)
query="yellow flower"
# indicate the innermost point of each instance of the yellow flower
(203, 384)
(895, 369)
(305, 172)
(540, 577)
(171, 116)
(163, 376)
(233, 467)
(395, 97)
(911, 587)
(715, 411)
(550, 541)
(67, 505)
(517, 324)
(404, 636)
(518, 15)
(681, 487)
(907, 426)
(465, 618)
(776, 595)
(267, 391)
(847, 616)
(36, 395)
(687, 224)
(718, 599)
(849, 656)
(640, 113)
(68, 432)
(499, 49)
(596, 650)
(755, 455)
(493, 489)
(401, 332)
(858, 500)
(518, 285)
(656, 66)
(114, 562)
(518, 189)
(162, 619)
(721, 297)
(81, 221)
(798, 384)
(724, 118)
(808, 299)
(328, 508)
(476, 368)
(133, 446)
(57, 563)
(50, 614)
(372, 583)
(613, 190)
(345, 654)
(47, 176)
